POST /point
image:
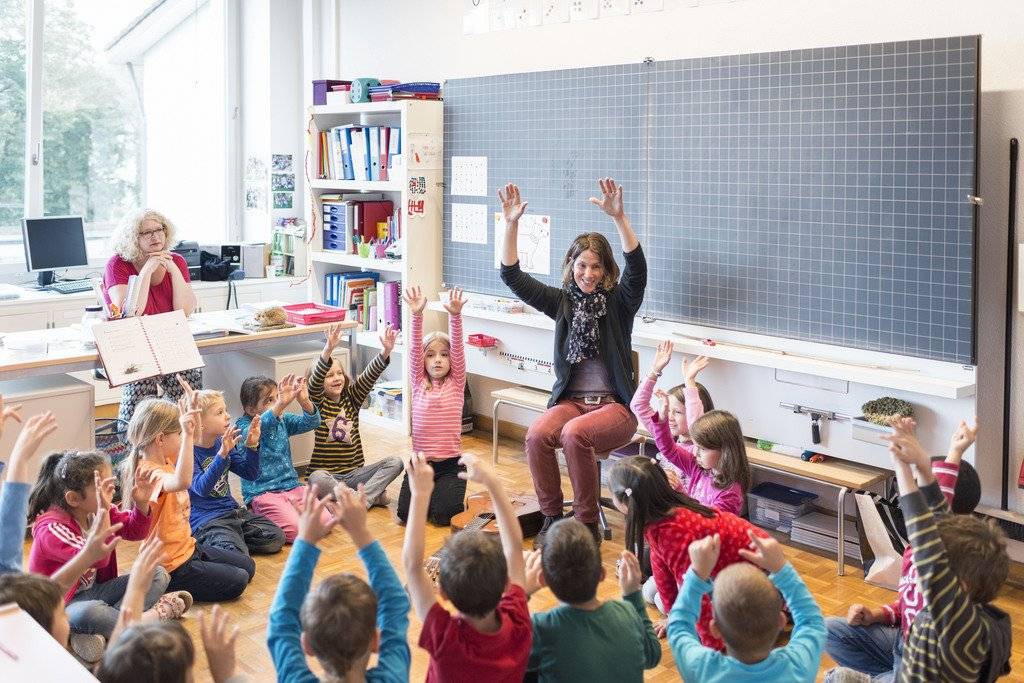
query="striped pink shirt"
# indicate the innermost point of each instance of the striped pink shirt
(437, 409)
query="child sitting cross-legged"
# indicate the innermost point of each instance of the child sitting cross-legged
(217, 519)
(586, 638)
(342, 621)
(488, 638)
(747, 616)
(338, 447)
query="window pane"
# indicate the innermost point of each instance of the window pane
(92, 120)
(12, 129)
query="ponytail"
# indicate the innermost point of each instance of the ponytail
(62, 472)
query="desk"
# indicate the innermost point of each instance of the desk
(64, 353)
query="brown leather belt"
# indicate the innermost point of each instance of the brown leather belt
(596, 400)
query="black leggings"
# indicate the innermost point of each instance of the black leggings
(448, 498)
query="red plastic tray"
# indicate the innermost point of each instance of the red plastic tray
(312, 313)
(482, 341)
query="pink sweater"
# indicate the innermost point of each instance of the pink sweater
(700, 482)
(437, 409)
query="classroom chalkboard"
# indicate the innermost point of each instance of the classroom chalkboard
(817, 194)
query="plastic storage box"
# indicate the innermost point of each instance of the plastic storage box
(311, 313)
(775, 506)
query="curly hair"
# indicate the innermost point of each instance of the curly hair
(125, 240)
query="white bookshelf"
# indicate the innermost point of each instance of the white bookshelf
(420, 264)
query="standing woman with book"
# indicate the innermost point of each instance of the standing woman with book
(593, 312)
(141, 246)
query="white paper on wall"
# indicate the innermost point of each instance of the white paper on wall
(555, 11)
(642, 6)
(503, 15)
(583, 10)
(476, 16)
(614, 8)
(534, 242)
(528, 13)
(469, 223)
(469, 176)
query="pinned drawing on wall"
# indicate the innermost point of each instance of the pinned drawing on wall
(528, 13)
(424, 151)
(282, 182)
(534, 242)
(282, 163)
(469, 223)
(255, 169)
(282, 200)
(502, 15)
(469, 176)
(417, 184)
(476, 16)
(614, 8)
(555, 11)
(583, 10)
(255, 196)
(643, 6)
(417, 207)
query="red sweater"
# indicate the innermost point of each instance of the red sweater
(670, 558)
(56, 538)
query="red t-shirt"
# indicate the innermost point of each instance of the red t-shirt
(161, 296)
(458, 652)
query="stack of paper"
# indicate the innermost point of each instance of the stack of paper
(819, 531)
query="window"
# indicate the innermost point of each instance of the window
(12, 129)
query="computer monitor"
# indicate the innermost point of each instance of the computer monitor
(53, 242)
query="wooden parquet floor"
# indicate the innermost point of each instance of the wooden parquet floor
(834, 593)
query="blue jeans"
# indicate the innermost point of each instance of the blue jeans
(96, 609)
(870, 649)
(213, 574)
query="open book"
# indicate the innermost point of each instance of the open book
(29, 653)
(146, 346)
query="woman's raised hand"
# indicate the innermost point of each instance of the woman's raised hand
(611, 198)
(512, 205)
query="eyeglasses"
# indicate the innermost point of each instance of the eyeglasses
(146, 234)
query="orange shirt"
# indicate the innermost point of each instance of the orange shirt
(170, 519)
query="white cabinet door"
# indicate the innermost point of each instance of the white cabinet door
(63, 317)
(24, 322)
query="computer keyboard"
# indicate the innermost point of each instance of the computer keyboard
(70, 286)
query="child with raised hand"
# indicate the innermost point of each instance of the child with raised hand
(868, 639)
(276, 493)
(162, 436)
(586, 638)
(489, 637)
(217, 519)
(14, 494)
(669, 520)
(338, 447)
(343, 620)
(437, 365)
(962, 563)
(680, 408)
(748, 617)
(74, 488)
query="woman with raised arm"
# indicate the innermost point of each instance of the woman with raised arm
(593, 312)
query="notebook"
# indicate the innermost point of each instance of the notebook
(29, 653)
(146, 346)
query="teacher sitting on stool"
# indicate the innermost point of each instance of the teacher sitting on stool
(593, 312)
(141, 247)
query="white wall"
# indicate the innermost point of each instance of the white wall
(422, 44)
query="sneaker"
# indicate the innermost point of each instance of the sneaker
(595, 529)
(538, 541)
(173, 605)
(88, 647)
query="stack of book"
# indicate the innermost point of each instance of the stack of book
(361, 295)
(405, 91)
(354, 152)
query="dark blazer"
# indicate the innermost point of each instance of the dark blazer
(624, 301)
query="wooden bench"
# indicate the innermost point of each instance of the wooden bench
(842, 475)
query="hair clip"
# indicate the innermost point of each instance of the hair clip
(654, 461)
(628, 492)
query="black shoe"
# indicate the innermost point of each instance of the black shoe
(595, 529)
(538, 541)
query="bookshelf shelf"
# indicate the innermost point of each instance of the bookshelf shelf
(419, 232)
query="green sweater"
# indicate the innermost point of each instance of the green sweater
(614, 643)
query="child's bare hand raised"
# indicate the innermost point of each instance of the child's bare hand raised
(26, 446)
(421, 475)
(8, 413)
(350, 511)
(630, 576)
(332, 337)
(96, 545)
(691, 370)
(387, 340)
(456, 300)
(105, 489)
(962, 439)
(415, 299)
(662, 356)
(143, 487)
(512, 205)
(704, 555)
(534, 572)
(767, 553)
(312, 527)
(905, 447)
(231, 437)
(476, 470)
(252, 440)
(219, 638)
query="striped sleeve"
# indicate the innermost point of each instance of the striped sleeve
(414, 347)
(458, 350)
(366, 379)
(946, 473)
(960, 631)
(316, 378)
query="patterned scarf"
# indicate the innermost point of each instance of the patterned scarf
(584, 333)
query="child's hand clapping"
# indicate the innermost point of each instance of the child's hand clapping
(630, 576)
(312, 528)
(767, 553)
(456, 300)
(350, 511)
(415, 299)
(704, 555)
(905, 447)
(662, 357)
(421, 475)
(387, 340)
(476, 470)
